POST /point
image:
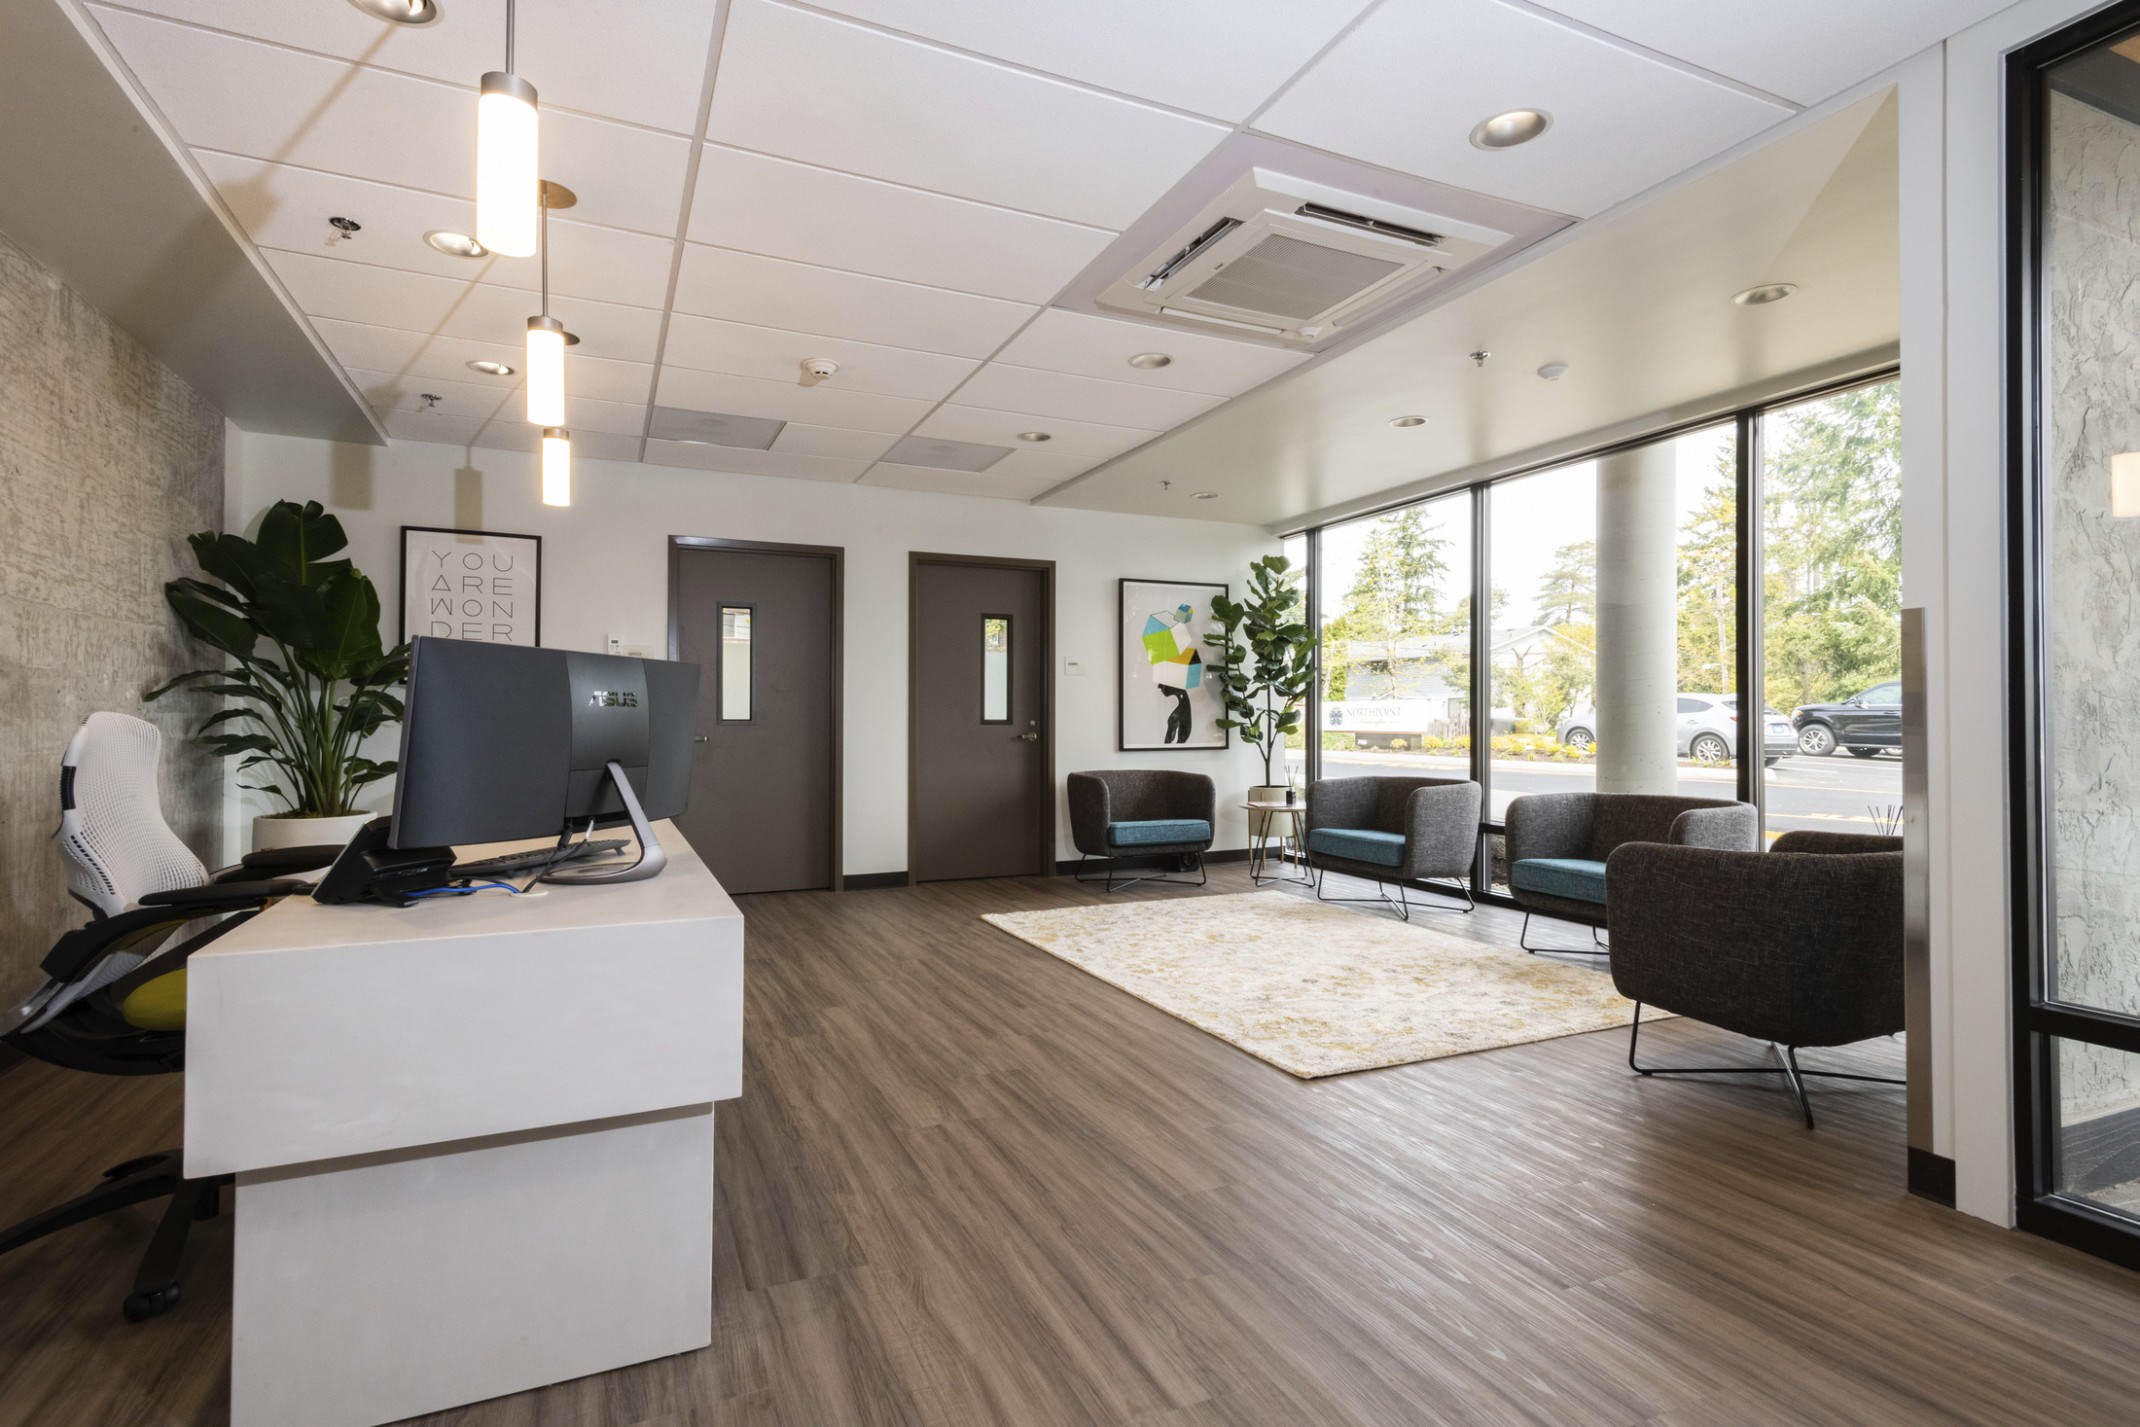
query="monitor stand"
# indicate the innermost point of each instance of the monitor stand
(651, 858)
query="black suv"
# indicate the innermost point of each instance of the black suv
(1865, 725)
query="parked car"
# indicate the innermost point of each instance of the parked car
(1708, 730)
(1865, 724)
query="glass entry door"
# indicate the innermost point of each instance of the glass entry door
(2074, 696)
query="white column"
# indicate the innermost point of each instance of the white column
(1638, 622)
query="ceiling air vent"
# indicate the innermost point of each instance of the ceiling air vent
(943, 455)
(714, 428)
(1295, 260)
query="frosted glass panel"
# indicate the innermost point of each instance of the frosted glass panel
(735, 663)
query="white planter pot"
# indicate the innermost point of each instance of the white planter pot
(272, 832)
(1273, 793)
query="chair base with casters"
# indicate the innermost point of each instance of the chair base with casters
(154, 1176)
(1792, 1072)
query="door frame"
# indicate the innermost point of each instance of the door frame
(1044, 846)
(678, 544)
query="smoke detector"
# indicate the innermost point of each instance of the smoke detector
(1295, 261)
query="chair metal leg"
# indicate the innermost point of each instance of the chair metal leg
(1401, 904)
(1116, 883)
(1523, 940)
(1793, 1073)
(156, 1284)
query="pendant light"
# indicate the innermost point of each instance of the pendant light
(547, 337)
(507, 161)
(556, 466)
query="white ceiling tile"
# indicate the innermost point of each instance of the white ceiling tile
(462, 400)
(832, 93)
(1064, 341)
(766, 292)
(1043, 463)
(243, 97)
(433, 426)
(1001, 428)
(795, 438)
(390, 297)
(737, 460)
(1621, 121)
(605, 446)
(360, 346)
(288, 208)
(824, 405)
(586, 413)
(1010, 388)
(1804, 50)
(771, 354)
(1217, 57)
(981, 483)
(643, 62)
(815, 215)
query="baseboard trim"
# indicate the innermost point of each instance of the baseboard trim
(1069, 865)
(873, 881)
(1932, 1176)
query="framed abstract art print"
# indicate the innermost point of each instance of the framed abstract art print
(1164, 701)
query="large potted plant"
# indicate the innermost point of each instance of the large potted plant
(301, 632)
(1264, 666)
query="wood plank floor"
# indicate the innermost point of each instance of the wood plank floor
(968, 1184)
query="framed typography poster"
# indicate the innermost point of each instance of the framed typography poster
(471, 584)
(1165, 702)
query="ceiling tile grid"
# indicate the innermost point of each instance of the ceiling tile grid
(904, 187)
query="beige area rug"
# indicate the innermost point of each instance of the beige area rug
(1317, 990)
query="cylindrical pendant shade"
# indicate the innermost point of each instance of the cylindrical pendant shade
(556, 466)
(546, 371)
(507, 165)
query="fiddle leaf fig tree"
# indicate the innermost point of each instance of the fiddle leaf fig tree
(301, 631)
(1265, 658)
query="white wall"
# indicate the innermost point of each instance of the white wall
(605, 572)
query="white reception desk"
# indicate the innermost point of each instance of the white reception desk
(473, 1139)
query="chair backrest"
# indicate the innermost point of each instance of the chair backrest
(112, 834)
(1393, 800)
(1618, 818)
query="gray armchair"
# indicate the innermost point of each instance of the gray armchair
(1799, 946)
(1393, 830)
(1558, 844)
(1142, 812)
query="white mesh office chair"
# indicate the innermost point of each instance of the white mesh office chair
(114, 999)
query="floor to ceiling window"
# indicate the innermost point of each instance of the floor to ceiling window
(2074, 768)
(1831, 539)
(1395, 678)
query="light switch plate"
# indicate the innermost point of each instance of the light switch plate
(1073, 668)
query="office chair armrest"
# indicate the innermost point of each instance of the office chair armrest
(277, 861)
(78, 948)
(225, 896)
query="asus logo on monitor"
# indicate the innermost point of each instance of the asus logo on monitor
(613, 699)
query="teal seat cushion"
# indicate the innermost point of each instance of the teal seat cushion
(1158, 830)
(1575, 878)
(1359, 844)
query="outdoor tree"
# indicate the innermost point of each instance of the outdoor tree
(1395, 599)
(1708, 583)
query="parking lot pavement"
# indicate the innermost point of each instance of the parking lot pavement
(1838, 793)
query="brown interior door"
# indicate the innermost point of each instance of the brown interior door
(761, 626)
(981, 800)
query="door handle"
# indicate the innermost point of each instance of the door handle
(1030, 737)
(698, 738)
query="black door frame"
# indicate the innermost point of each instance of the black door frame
(2037, 1021)
(838, 555)
(1044, 843)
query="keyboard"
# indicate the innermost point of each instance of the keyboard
(507, 863)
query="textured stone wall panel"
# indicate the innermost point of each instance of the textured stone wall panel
(107, 463)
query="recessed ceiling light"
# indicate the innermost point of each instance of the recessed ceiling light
(491, 369)
(401, 12)
(1553, 371)
(1766, 293)
(1151, 361)
(1408, 421)
(455, 245)
(1505, 131)
(1034, 436)
(1205, 495)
